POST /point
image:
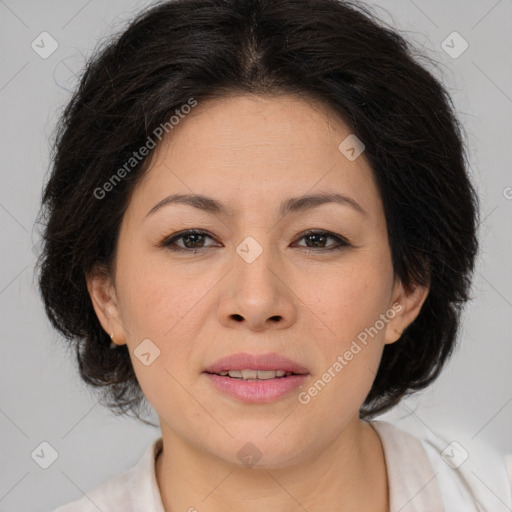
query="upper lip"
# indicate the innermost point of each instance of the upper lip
(271, 361)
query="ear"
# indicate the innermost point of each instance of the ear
(407, 303)
(104, 300)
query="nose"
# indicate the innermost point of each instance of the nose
(257, 294)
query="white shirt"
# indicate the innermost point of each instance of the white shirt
(424, 475)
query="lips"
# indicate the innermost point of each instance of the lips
(255, 362)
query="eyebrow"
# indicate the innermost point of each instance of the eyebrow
(291, 205)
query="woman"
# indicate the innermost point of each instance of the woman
(252, 225)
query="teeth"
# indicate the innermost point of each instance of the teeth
(256, 374)
(249, 374)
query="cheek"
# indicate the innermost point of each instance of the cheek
(348, 305)
(159, 298)
(350, 297)
(163, 308)
(160, 304)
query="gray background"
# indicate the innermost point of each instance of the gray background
(41, 396)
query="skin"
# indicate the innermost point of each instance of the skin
(252, 152)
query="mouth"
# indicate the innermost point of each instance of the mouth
(256, 378)
(254, 375)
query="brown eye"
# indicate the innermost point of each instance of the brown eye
(318, 239)
(192, 241)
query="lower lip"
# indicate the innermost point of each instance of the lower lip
(257, 391)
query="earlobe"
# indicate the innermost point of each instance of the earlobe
(103, 297)
(411, 299)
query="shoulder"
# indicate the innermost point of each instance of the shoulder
(463, 475)
(126, 491)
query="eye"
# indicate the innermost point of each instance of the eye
(319, 238)
(193, 241)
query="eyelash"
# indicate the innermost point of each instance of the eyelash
(169, 242)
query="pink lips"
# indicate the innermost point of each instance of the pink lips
(256, 391)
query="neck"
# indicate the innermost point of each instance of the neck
(347, 474)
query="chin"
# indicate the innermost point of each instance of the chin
(257, 450)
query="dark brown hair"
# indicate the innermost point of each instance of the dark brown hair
(335, 51)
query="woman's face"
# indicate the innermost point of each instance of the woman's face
(256, 284)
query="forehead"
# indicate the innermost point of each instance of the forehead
(246, 148)
(288, 126)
